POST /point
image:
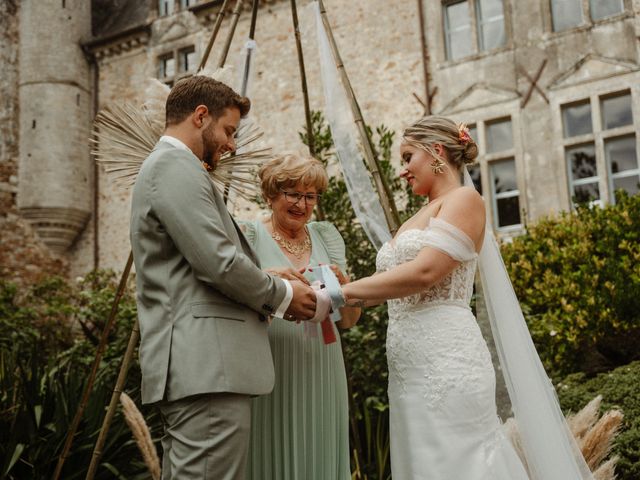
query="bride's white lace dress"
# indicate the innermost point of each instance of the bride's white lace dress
(443, 420)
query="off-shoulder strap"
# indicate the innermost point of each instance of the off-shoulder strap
(249, 228)
(333, 242)
(450, 239)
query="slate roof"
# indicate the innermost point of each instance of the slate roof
(112, 17)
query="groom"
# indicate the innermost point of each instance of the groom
(201, 295)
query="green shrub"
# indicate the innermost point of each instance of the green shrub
(620, 389)
(578, 278)
(45, 360)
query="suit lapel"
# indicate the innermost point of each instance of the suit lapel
(233, 229)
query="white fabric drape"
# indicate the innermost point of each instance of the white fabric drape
(364, 199)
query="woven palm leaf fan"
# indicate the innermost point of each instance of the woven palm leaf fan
(124, 134)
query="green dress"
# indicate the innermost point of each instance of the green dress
(301, 430)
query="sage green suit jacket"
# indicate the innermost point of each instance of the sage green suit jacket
(201, 295)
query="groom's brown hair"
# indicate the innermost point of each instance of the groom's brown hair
(190, 92)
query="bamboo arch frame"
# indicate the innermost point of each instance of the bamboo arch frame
(388, 204)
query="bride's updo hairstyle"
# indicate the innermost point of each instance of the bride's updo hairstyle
(460, 148)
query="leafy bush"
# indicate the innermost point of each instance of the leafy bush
(619, 389)
(48, 337)
(578, 278)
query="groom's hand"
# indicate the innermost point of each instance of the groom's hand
(303, 303)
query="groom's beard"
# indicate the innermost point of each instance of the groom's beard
(210, 148)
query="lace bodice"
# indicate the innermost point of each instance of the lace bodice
(440, 349)
(455, 288)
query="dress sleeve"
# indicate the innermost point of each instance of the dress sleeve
(249, 230)
(450, 240)
(333, 242)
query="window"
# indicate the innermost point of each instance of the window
(506, 196)
(570, 13)
(583, 174)
(498, 157)
(167, 68)
(605, 8)
(600, 152)
(176, 65)
(566, 14)
(616, 111)
(622, 164)
(490, 18)
(457, 29)
(464, 37)
(577, 119)
(499, 136)
(167, 7)
(187, 58)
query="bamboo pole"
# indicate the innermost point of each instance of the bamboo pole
(305, 95)
(245, 76)
(425, 58)
(247, 61)
(234, 23)
(386, 199)
(303, 79)
(214, 34)
(94, 369)
(115, 397)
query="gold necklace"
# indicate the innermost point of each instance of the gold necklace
(297, 249)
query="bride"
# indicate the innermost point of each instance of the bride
(443, 420)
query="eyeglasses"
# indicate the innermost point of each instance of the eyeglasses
(295, 197)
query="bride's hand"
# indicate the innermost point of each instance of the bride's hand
(288, 273)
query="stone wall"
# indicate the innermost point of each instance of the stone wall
(24, 259)
(580, 62)
(379, 42)
(9, 23)
(380, 45)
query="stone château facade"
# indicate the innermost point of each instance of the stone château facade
(549, 88)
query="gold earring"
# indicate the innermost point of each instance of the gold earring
(437, 166)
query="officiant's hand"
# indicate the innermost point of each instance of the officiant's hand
(342, 278)
(303, 303)
(288, 273)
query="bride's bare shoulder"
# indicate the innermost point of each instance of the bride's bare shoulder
(465, 209)
(465, 200)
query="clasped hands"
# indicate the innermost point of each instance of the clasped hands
(310, 301)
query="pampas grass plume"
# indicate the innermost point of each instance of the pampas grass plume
(594, 437)
(581, 422)
(141, 433)
(597, 442)
(513, 434)
(607, 471)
